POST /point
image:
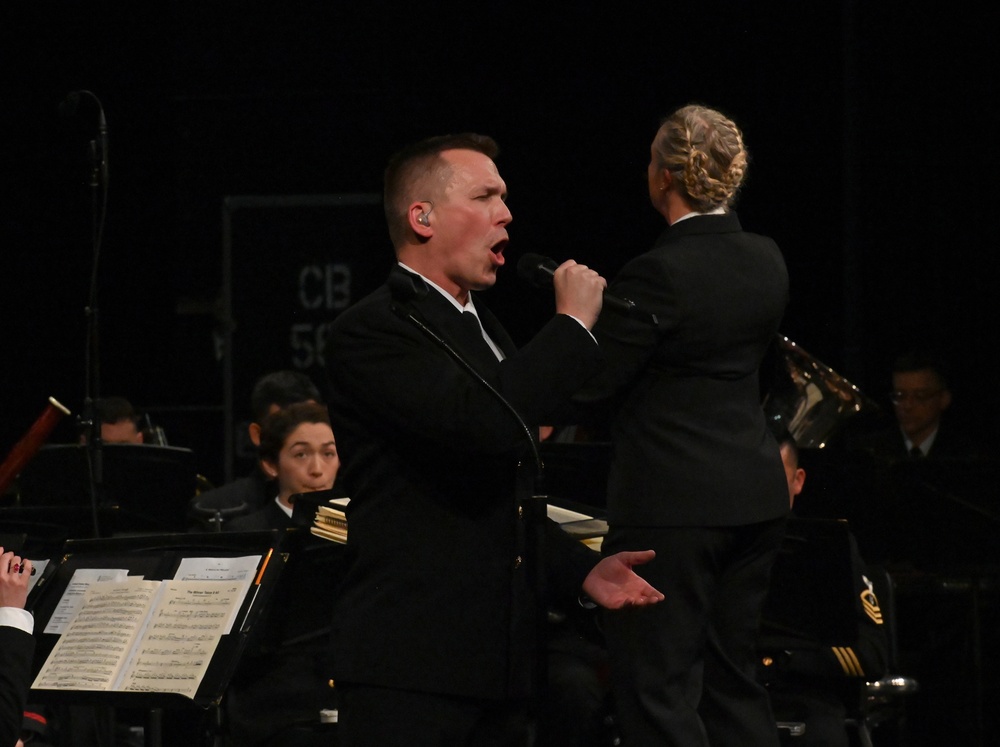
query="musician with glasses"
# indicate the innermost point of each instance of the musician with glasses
(925, 510)
(920, 397)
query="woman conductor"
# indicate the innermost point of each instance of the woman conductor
(695, 475)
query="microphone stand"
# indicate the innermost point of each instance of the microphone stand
(535, 509)
(470, 369)
(90, 418)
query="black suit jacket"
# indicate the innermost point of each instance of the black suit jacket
(797, 610)
(691, 447)
(888, 445)
(16, 651)
(438, 594)
(268, 517)
(251, 491)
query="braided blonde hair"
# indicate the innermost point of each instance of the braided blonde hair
(704, 151)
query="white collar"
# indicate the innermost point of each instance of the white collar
(717, 211)
(469, 306)
(928, 442)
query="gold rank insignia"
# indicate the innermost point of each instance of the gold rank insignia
(869, 602)
(848, 661)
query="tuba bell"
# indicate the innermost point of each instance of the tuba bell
(810, 399)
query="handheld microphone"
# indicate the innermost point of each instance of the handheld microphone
(539, 271)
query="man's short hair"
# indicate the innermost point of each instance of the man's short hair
(281, 388)
(113, 410)
(786, 440)
(410, 164)
(920, 360)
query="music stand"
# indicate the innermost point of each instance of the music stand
(145, 488)
(156, 557)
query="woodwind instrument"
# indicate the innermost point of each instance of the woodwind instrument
(31, 442)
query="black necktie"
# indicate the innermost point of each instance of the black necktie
(916, 453)
(472, 321)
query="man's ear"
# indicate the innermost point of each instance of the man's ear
(798, 481)
(419, 215)
(945, 399)
(254, 431)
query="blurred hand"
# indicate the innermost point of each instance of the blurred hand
(14, 576)
(613, 584)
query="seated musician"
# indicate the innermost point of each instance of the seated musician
(119, 422)
(920, 399)
(271, 393)
(282, 684)
(811, 681)
(299, 453)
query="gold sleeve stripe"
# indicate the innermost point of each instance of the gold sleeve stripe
(848, 661)
(870, 605)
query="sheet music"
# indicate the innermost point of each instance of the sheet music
(90, 652)
(138, 635)
(76, 589)
(182, 635)
(240, 569)
(219, 569)
(562, 515)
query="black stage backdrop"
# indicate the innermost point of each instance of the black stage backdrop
(872, 132)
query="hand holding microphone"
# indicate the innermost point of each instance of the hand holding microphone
(579, 292)
(541, 271)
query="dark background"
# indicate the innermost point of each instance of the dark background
(872, 133)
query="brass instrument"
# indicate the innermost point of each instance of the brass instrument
(816, 401)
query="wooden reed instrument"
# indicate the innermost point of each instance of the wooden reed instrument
(31, 442)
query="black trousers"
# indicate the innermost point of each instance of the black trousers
(683, 670)
(385, 717)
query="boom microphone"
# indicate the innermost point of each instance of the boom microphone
(68, 108)
(539, 271)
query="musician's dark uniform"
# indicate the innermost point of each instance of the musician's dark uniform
(815, 681)
(16, 650)
(248, 493)
(269, 516)
(888, 445)
(283, 680)
(438, 595)
(695, 476)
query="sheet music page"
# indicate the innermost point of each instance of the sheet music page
(97, 640)
(562, 515)
(76, 589)
(182, 635)
(220, 569)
